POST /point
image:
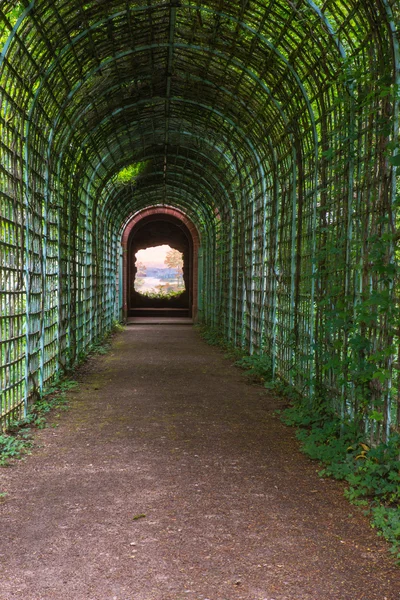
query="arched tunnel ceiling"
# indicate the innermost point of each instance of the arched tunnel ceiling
(270, 125)
(210, 95)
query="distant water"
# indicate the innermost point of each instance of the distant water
(148, 284)
(151, 283)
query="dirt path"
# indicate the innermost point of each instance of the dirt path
(165, 427)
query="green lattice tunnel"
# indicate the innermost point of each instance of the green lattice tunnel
(272, 125)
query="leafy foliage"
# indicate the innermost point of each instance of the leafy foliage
(18, 439)
(373, 474)
(214, 337)
(161, 293)
(174, 260)
(130, 173)
(12, 447)
(258, 366)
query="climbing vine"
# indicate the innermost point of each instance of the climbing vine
(273, 126)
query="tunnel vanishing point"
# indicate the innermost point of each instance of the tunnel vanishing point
(265, 130)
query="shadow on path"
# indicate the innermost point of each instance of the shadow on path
(170, 478)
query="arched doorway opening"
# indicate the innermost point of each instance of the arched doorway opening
(154, 232)
(152, 228)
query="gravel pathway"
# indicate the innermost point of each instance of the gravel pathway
(171, 478)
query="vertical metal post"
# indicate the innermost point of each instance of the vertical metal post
(44, 277)
(293, 267)
(27, 273)
(121, 284)
(200, 292)
(393, 197)
(274, 274)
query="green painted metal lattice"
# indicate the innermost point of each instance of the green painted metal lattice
(271, 124)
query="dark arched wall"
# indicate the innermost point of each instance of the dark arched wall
(153, 227)
(156, 231)
(271, 125)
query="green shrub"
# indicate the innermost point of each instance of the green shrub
(161, 294)
(258, 366)
(372, 474)
(12, 446)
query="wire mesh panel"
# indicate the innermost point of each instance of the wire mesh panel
(13, 296)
